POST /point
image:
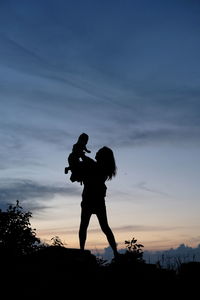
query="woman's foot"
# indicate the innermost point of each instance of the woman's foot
(116, 254)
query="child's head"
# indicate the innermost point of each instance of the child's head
(83, 139)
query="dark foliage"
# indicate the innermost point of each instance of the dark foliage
(16, 235)
(134, 250)
(56, 241)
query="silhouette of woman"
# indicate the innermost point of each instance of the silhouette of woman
(94, 174)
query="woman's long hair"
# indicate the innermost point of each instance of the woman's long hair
(105, 158)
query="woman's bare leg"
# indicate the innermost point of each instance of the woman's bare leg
(103, 221)
(85, 219)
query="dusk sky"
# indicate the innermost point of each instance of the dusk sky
(128, 74)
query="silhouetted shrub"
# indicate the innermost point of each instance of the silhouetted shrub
(16, 235)
(56, 241)
(134, 251)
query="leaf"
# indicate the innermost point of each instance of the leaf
(127, 242)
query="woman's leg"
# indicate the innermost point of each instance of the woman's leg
(85, 219)
(103, 221)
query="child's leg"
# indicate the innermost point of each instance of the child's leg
(67, 169)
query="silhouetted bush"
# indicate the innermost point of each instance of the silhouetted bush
(134, 250)
(16, 235)
(56, 241)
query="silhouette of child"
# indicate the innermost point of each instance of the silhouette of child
(78, 151)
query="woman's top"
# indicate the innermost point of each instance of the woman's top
(93, 178)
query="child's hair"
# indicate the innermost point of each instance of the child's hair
(105, 158)
(83, 138)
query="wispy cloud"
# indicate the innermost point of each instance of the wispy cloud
(71, 77)
(30, 193)
(16, 135)
(138, 228)
(144, 186)
(142, 135)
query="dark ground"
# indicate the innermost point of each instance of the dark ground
(59, 272)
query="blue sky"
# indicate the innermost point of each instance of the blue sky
(125, 72)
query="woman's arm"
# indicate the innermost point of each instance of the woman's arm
(87, 166)
(87, 159)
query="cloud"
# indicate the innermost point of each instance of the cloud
(24, 144)
(70, 72)
(31, 194)
(142, 135)
(138, 228)
(143, 186)
(174, 256)
(125, 229)
(15, 135)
